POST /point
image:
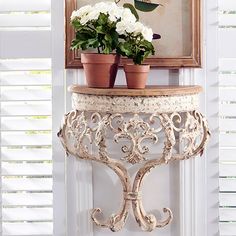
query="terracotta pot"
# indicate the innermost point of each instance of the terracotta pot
(100, 69)
(136, 75)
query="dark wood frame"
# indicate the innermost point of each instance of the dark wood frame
(72, 59)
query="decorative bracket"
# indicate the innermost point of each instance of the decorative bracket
(81, 128)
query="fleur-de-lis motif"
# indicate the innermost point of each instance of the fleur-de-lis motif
(190, 128)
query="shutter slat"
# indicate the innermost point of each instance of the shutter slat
(25, 20)
(227, 109)
(32, 169)
(21, 139)
(27, 199)
(24, 5)
(228, 94)
(33, 154)
(227, 199)
(228, 170)
(25, 78)
(227, 79)
(26, 184)
(227, 47)
(227, 5)
(227, 20)
(12, 48)
(25, 94)
(227, 214)
(228, 124)
(25, 65)
(228, 155)
(26, 109)
(20, 123)
(227, 117)
(228, 229)
(27, 214)
(227, 184)
(228, 140)
(26, 106)
(227, 64)
(29, 229)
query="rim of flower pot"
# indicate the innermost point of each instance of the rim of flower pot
(97, 58)
(137, 68)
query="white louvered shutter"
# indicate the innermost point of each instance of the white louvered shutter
(227, 86)
(25, 83)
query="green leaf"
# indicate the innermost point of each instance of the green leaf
(125, 49)
(93, 42)
(102, 20)
(132, 9)
(108, 38)
(76, 24)
(100, 29)
(115, 39)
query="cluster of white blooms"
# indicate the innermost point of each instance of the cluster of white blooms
(126, 21)
(134, 28)
(89, 13)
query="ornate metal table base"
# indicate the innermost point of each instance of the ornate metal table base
(185, 128)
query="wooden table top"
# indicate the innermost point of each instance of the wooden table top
(147, 92)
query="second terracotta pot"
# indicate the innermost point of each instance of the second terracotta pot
(100, 69)
(136, 75)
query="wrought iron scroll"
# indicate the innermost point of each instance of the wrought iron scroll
(81, 128)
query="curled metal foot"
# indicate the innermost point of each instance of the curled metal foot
(114, 223)
(168, 220)
(148, 222)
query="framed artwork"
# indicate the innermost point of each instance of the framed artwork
(177, 21)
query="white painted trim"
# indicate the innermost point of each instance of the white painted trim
(85, 194)
(192, 187)
(208, 78)
(199, 177)
(79, 180)
(58, 110)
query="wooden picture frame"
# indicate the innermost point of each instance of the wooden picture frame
(72, 58)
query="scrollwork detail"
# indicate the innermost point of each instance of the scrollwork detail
(135, 131)
(190, 128)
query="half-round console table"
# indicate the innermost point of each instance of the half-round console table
(139, 117)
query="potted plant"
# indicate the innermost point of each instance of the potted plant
(136, 45)
(95, 27)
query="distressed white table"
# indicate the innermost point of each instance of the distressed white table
(140, 117)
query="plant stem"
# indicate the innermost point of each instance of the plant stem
(99, 50)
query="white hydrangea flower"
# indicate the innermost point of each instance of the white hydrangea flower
(83, 11)
(115, 13)
(94, 14)
(104, 7)
(128, 16)
(84, 20)
(147, 34)
(73, 15)
(138, 28)
(101, 7)
(121, 27)
(129, 27)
